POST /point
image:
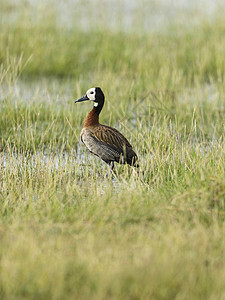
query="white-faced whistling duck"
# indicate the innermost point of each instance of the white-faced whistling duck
(104, 141)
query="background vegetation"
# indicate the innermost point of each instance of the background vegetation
(67, 231)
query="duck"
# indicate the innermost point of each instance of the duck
(101, 140)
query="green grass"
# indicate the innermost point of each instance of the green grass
(67, 231)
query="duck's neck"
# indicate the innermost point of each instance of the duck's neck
(93, 116)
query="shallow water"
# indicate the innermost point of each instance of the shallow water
(58, 92)
(77, 163)
(43, 90)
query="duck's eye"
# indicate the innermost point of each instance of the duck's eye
(91, 92)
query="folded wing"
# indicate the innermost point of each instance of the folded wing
(109, 144)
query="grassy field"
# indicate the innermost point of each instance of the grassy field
(67, 231)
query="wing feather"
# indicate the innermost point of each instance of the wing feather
(111, 136)
(109, 144)
(104, 151)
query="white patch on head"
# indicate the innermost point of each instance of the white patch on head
(96, 104)
(91, 94)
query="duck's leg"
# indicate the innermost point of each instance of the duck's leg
(110, 173)
(112, 165)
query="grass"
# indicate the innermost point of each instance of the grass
(66, 230)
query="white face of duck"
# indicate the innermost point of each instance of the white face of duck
(91, 94)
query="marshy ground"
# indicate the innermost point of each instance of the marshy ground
(67, 231)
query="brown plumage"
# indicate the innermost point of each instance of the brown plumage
(104, 141)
